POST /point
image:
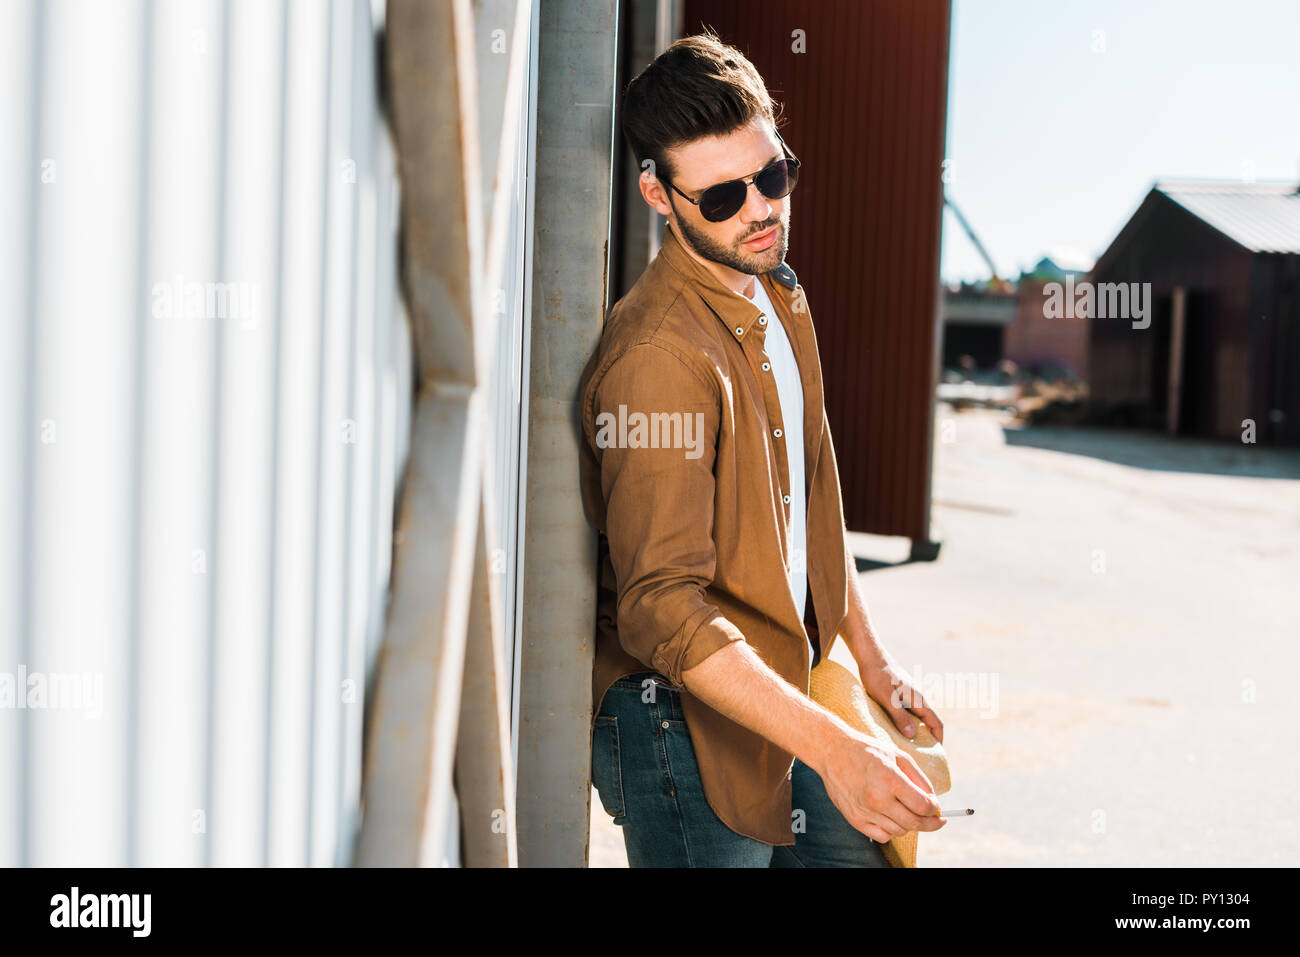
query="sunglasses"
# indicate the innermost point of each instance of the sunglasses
(725, 200)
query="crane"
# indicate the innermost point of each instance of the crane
(998, 284)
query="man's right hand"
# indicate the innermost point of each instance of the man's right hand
(878, 788)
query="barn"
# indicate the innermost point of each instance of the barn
(1220, 356)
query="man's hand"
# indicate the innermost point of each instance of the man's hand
(887, 683)
(878, 788)
(893, 689)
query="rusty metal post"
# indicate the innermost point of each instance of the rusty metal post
(575, 132)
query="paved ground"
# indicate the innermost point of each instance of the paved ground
(1111, 633)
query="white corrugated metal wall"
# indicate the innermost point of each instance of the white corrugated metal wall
(206, 375)
(511, 302)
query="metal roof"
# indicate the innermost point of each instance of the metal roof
(1263, 217)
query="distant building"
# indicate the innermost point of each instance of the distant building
(1038, 342)
(975, 320)
(1003, 320)
(1220, 353)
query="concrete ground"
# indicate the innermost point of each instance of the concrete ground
(1110, 635)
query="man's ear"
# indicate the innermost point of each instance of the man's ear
(655, 194)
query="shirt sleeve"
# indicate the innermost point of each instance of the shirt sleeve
(659, 506)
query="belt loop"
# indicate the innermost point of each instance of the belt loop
(675, 703)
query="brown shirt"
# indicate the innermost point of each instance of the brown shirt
(693, 510)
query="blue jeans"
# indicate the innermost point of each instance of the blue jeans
(644, 769)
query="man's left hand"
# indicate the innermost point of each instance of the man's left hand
(893, 689)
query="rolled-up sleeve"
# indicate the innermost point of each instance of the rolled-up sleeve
(659, 505)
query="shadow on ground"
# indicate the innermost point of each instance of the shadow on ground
(1145, 449)
(870, 564)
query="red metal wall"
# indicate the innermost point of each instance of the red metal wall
(865, 110)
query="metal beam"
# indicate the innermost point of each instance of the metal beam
(577, 61)
(440, 565)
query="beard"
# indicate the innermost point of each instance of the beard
(737, 256)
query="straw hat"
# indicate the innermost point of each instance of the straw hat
(839, 691)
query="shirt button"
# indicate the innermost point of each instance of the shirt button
(740, 331)
(767, 366)
(777, 433)
(786, 499)
(665, 724)
(762, 320)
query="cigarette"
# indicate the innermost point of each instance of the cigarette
(958, 812)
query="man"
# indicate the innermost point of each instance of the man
(708, 469)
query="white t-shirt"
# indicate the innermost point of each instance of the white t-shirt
(789, 390)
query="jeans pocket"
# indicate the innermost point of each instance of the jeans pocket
(607, 767)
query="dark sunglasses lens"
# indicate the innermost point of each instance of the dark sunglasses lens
(722, 201)
(777, 180)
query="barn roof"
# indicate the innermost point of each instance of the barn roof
(1263, 217)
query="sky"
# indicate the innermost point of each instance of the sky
(1052, 144)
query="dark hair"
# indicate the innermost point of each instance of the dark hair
(697, 87)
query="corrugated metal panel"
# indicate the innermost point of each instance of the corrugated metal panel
(19, 428)
(510, 301)
(1263, 217)
(865, 106)
(210, 392)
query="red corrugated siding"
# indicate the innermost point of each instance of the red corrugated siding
(865, 110)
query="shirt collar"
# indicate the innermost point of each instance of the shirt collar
(738, 312)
